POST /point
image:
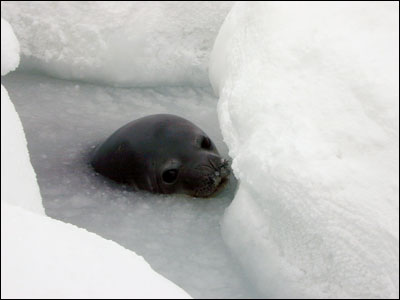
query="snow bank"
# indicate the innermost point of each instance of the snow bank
(9, 48)
(18, 179)
(68, 262)
(121, 43)
(309, 109)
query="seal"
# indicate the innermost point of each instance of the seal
(163, 154)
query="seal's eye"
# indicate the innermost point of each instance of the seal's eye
(169, 176)
(206, 143)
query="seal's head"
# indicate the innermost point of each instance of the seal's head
(162, 154)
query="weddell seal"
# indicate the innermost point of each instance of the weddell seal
(164, 154)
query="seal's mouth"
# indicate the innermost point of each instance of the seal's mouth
(221, 185)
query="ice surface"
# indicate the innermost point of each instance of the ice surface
(9, 48)
(70, 262)
(179, 236)
(309, 110)
(138, 43)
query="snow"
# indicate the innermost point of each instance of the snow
(16, 168)
(309, 110)
(9, 48)
(138, 43)
(45, 258)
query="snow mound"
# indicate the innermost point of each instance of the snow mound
(61, 256)
(18, 179)
(119, 43)
(309, 110)
(9, 48)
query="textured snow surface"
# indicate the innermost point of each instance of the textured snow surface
(16, 168)
(45, 258)
(9, 48)
(134, 43)
(309, 110)
(18, 179)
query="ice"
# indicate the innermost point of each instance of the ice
(309, 110)
(138, 43)
(71, 262)
(179, 236)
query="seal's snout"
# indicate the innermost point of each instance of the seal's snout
(221, 170)
(220, 165)
(225, 167)
(215, 171)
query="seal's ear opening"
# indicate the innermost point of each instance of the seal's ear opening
(170, 176)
